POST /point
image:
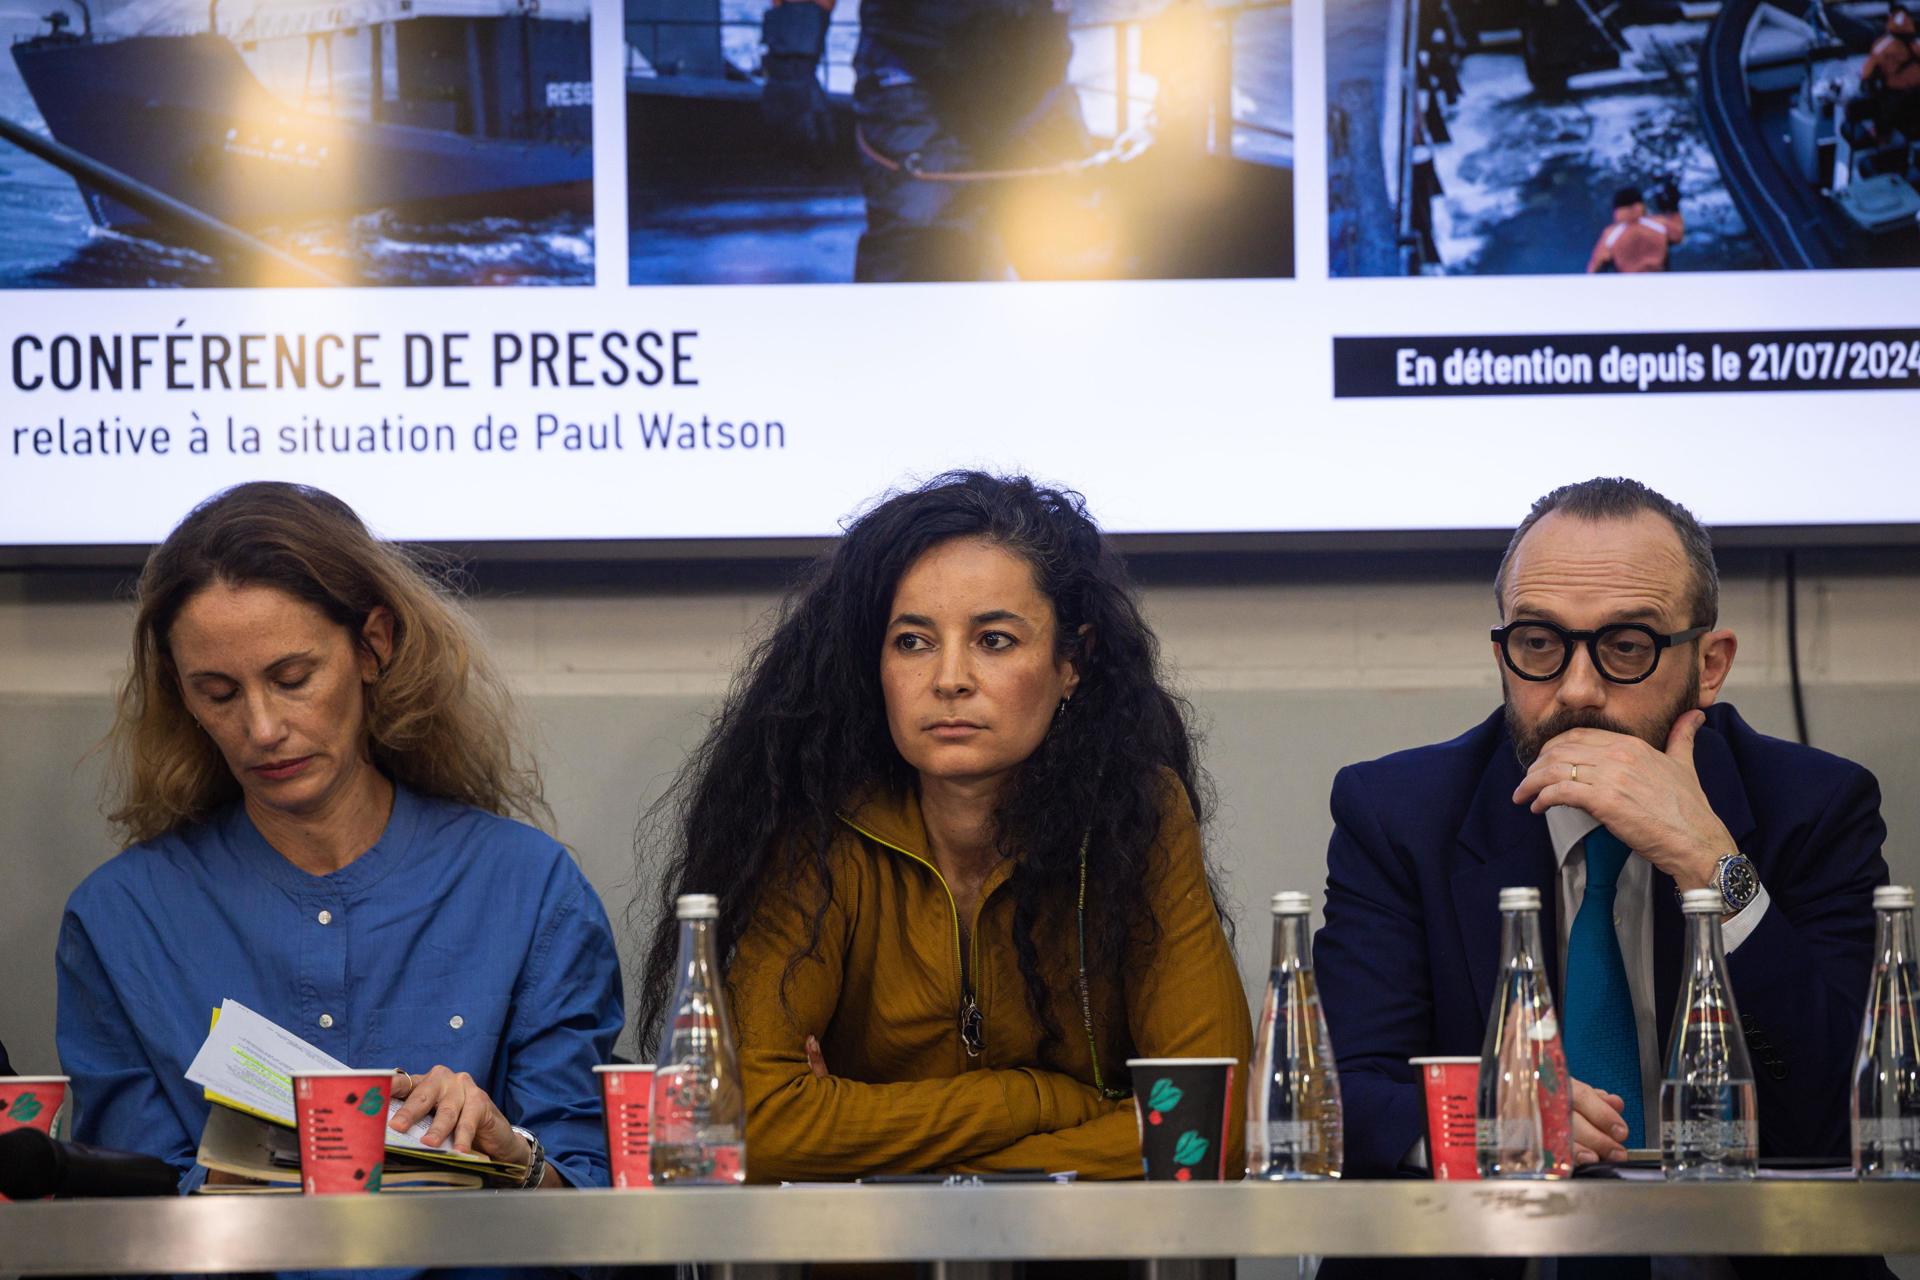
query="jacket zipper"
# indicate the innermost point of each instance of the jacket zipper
(972, 1021)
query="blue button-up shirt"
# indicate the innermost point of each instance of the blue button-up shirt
(460, 938)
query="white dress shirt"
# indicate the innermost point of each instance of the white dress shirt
(1633, 926)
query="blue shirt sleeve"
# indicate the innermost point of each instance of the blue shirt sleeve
(119, 1101)
(565, 1020)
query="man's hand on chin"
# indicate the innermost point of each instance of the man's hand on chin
(1649, 799)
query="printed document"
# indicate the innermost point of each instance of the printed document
(247, 1063)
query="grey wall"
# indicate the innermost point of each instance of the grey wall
(1290, 679)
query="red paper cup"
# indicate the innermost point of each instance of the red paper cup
(626, 1099)
(31, 1102)
(1450, 1084)
(342, 1121)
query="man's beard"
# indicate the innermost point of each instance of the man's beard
(1528, 741)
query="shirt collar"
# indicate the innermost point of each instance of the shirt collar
(895, 820)
(892, 818)
(1568, 826)
(364, 871)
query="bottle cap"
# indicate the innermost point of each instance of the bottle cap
(1702, 902)
(1292, 904)
(696, 906)
(1525, 898)
(1893, 897)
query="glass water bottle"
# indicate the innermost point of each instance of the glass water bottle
(1293, 1104)
(699, 1106)
(1886, 1074)
(1524, 1111)
(1708, 1127)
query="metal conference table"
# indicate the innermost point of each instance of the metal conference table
(966, 1231)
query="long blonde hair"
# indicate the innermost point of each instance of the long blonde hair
(439, 718)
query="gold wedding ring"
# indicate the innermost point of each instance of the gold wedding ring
(1576, 773)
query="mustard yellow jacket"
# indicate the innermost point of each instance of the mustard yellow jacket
(884, 994)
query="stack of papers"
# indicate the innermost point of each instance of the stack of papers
(246, 1067)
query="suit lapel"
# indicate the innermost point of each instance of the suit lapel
(1669, 934)
(1720, 780)
(1501, 845)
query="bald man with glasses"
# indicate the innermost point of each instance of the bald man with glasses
(1611, 779)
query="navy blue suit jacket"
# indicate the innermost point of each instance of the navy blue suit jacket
(1424, 840)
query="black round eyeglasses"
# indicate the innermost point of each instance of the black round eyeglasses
(1624, 652)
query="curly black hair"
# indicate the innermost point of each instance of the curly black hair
(803, 734)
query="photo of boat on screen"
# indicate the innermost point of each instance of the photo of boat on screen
(276, 142)
(1515, 137)
(879, 141)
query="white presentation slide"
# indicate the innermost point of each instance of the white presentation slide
(670, 270)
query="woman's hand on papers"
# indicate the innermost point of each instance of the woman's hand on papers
(461, 1110)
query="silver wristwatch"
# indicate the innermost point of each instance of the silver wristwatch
(1736, 880)
(536, 1159)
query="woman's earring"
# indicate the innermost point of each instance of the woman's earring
(1061, 709)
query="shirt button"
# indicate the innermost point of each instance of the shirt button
(326, 1020)
(456, 1022)
(325, 917)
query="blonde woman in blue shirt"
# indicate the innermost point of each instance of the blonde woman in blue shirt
(315, 767)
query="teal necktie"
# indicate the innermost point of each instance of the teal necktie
(1603, 1043)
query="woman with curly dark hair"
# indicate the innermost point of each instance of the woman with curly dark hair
(953, 819)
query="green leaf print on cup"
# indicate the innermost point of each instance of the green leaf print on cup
(25, 1107)
(373, 1103)
(1190, 1150)
(1163, 1097)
